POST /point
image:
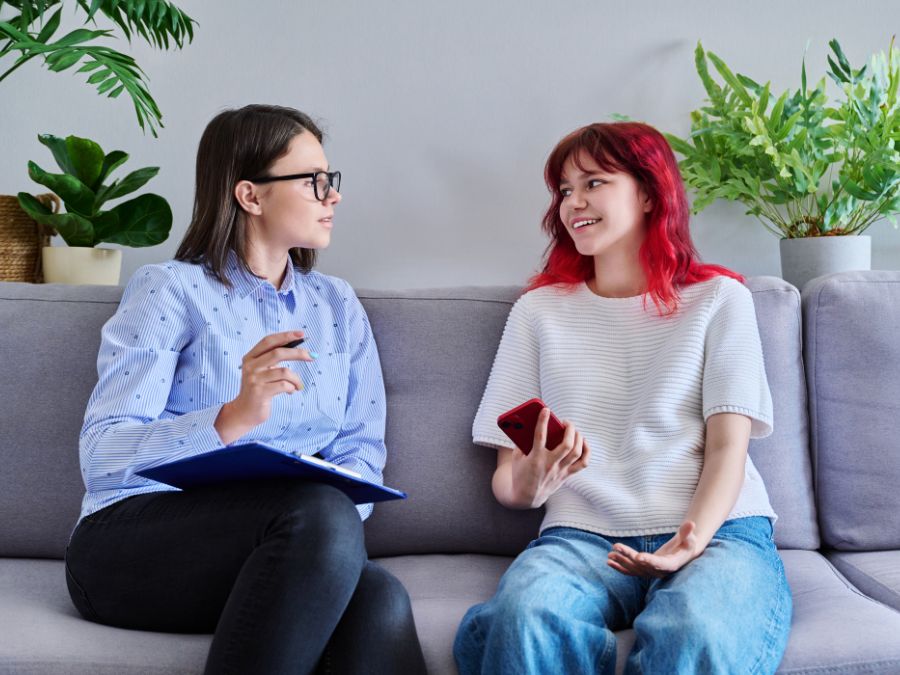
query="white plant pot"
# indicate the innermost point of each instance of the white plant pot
(806, 258)
(81, 265)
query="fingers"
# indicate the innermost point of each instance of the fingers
(281, 375)
(277, 355)
(568, 440)
(540, 430)
(272, 341)
(628, 561)
(574, 454)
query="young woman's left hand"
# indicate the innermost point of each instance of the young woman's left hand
(668, 558)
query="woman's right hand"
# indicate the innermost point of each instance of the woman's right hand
(540, 473)
(262, 378)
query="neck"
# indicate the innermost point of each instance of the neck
(268, 263)
(618, 275)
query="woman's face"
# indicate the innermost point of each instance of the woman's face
(289, 213)
(603, 212)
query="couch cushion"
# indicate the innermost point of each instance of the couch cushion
(875, 573)
(852, 354)
(44, 635)
(783, 458)
(48, 348)
(835, 628)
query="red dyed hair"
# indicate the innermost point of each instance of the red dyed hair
(667, 255)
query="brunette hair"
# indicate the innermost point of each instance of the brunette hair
(667, 255)
(237, 145)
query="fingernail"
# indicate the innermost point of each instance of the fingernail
(314, 355)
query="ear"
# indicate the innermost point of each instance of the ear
(646, 202)
(247, 197)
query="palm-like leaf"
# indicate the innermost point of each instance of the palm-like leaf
(158, 22)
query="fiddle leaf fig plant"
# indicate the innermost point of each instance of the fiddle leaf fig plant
(803, 166)
(142, 221)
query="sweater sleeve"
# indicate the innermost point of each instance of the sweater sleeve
(734, 373)
(514, 377)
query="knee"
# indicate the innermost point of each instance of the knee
(387, 598)
(322, 518)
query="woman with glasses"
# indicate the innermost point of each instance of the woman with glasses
(204, 352)
(655, 517)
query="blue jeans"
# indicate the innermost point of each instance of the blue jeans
(555, 610)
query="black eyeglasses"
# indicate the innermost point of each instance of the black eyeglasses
(322, 181)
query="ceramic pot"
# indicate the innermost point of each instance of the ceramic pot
(806, 258)
(82, 265)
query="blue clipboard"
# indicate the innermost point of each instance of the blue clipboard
(255, 461)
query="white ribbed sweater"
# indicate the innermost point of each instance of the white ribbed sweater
(639, 387)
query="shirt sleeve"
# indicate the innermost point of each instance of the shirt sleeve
(734, 373)
(359, 445)
(514, 377)
(125, 426)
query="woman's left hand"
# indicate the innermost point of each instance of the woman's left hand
(668, 558)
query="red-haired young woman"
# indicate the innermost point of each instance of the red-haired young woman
(656, 518)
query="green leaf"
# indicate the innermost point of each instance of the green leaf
(50, 27)
(111, 162)
(133, 181)
(729, 77)
(73, 228)
(57, 146)
(87, 159)
(142, 221)
(60, 61)
(845, 65)
(712, 89)
(854, 189)
(76, 196)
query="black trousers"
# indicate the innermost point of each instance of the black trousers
(276, 569)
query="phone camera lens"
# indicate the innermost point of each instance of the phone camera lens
(519, 425)
(504, 425)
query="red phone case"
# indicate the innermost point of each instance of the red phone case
(519, 424)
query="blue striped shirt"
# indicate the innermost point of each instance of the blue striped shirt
(171, 356)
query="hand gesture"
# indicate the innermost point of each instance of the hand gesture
(668, 558)
(542, 471)
(262, 378)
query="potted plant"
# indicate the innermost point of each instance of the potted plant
(29, 35)
(817, 174)
(141, 221)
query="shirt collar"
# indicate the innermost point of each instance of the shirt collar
(246, 283)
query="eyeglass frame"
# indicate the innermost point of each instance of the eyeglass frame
(332, 175)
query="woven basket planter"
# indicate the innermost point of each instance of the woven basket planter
(21, 240)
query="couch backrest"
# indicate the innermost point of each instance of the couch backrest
(852, 353)
(436, 350)
(49, 337)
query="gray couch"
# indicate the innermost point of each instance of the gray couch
(832, 468)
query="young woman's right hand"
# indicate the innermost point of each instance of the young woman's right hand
(540, 473)
(262, 378)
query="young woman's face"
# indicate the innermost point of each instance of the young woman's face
(601, 211)
(290, 215)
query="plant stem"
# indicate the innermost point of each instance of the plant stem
(11, 70)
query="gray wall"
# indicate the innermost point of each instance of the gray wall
(440, 115)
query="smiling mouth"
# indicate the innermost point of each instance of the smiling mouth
(584, 223)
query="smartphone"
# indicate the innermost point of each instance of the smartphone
(519, 424)
(295, 343)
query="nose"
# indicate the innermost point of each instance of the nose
(333, 197)
(576, 200)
